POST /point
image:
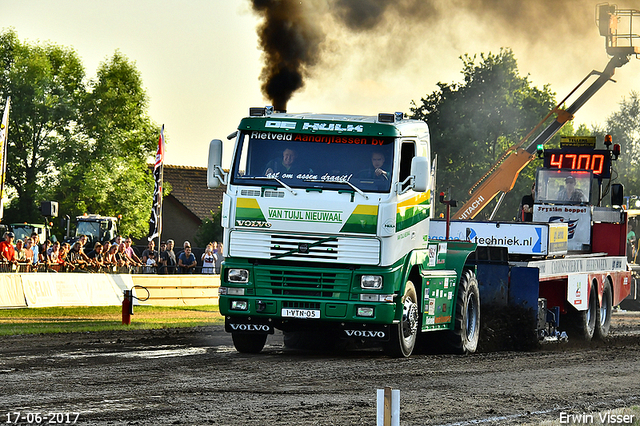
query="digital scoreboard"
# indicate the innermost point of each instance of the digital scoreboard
(596, 160)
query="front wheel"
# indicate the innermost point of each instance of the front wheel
(249, 343)
(463, 339)
(603, 319)
(403, 335)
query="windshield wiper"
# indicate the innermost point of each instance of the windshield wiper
(284, 185)
(355, 188)
(306, 247)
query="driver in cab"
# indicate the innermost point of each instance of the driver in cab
(376, 170)
(283, 165)
(570, 192)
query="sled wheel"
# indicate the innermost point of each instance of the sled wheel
(402, 337)
(463, 339)
(582, 324)
(603, 318)
(249, 343)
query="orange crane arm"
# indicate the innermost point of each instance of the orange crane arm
(502, 179)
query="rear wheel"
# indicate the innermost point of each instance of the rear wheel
(402, 337)
(603, 319)
(463, 339)
(249, 343)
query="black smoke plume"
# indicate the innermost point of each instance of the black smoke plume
(291, 45)
(291, 33)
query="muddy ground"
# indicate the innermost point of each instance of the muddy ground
(195, 377)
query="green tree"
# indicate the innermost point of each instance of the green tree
(108, 173)
(46, 86)
(473, 122)
(85, 144)
(624, 127)
(210, 230)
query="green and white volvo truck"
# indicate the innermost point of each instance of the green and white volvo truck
(326, 221)
(328, 234)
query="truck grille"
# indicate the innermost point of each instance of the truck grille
(346, 250)
(290, 304)
(272, 281)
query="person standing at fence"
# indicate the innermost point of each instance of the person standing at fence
(77, 257)
(43, 259)
(219, 258)
(53, 252)
(63, 257)
(208, 260)
(21, 255)
(151, 263)
(97, 256)
(131, 251)
(110, 260)
(28, 253)
(7, 251)
(151, 247)
(35, 243)
(187, 261)
(168, 259)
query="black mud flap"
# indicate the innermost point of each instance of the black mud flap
(248, 325)
(374, 332)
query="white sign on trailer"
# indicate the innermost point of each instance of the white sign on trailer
(519, 238)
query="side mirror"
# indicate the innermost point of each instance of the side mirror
(617, 194)
(420, 171)
(214, 175)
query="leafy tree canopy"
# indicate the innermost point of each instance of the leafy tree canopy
(624, 127)
(473, 122)
(210, 230)
(82, 143)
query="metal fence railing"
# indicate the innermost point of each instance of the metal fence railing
(8, 267)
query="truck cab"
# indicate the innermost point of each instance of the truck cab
(326, 222)
(23, 230)
(97, 228)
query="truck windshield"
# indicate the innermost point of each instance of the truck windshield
(563, 186)
(90, 229)
(22, 232)
(314, 161)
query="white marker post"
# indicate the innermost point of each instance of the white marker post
(388, 407)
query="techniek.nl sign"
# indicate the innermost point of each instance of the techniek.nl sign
(518, 238)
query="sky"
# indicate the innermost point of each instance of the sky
(201, 60)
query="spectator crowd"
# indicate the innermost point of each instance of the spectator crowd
(117, 256)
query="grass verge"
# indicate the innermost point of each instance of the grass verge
(101, 318)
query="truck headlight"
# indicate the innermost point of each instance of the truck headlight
(239, 305)
(238, 275)
(365, 311)
(371, 282)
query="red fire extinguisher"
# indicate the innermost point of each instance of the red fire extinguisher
(127, 307)
(127, 303)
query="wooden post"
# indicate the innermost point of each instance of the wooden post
(388, 407)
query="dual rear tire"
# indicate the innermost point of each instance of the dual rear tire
(595, 322)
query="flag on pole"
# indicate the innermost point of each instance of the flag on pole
(4, 128)
(155, 222)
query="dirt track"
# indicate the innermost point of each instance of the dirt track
(194, 377)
